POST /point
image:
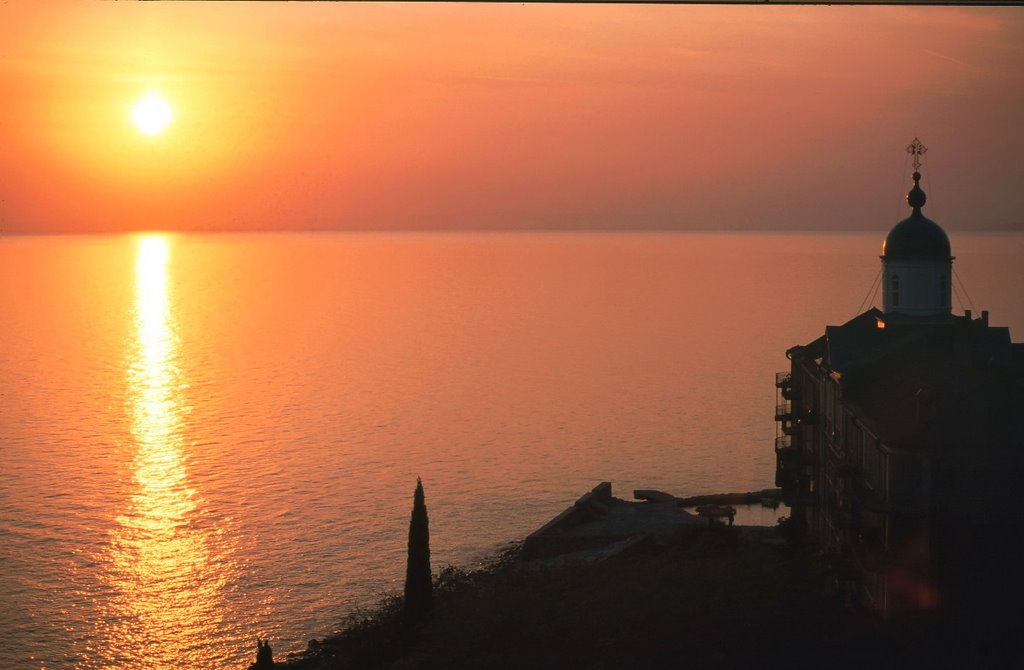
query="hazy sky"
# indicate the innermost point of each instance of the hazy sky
(341, 116)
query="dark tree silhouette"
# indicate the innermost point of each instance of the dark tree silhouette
(419, 593)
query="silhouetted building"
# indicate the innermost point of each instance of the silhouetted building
(900, 442)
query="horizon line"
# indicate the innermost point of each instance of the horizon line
(1011, 229)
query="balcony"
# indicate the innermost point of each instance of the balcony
(784, 382)
(784, 411)
(785, 480)
(790, 457)
(810, 417)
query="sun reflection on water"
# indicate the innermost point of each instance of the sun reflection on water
(168, 582)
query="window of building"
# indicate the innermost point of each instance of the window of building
(943, 293)
(894, 291)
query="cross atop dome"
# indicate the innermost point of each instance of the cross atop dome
(917, 265)
(916, 149)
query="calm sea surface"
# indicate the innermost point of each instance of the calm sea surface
(206, 438)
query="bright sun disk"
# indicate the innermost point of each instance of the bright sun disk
(151, 114)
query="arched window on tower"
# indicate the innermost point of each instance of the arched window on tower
(894, 291)
(943, 292)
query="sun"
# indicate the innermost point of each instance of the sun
(152, 114)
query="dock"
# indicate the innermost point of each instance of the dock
(598, 524)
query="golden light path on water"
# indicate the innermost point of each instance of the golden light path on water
(168, 591)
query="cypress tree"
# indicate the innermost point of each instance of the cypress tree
(419, 589)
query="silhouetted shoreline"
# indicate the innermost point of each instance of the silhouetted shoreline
(696, 595)
(642, 607)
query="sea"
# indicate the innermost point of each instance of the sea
(209, 438)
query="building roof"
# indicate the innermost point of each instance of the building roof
(928, 382)
(917, 237)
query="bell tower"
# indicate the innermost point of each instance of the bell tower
(917, 265)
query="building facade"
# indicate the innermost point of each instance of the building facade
(900, 440)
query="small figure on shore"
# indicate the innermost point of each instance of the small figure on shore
(264, 656)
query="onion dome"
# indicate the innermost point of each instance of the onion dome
(916, 237)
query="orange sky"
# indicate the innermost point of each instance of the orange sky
(423, 116)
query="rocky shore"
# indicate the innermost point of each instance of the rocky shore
(530, 581)
(610, 583)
